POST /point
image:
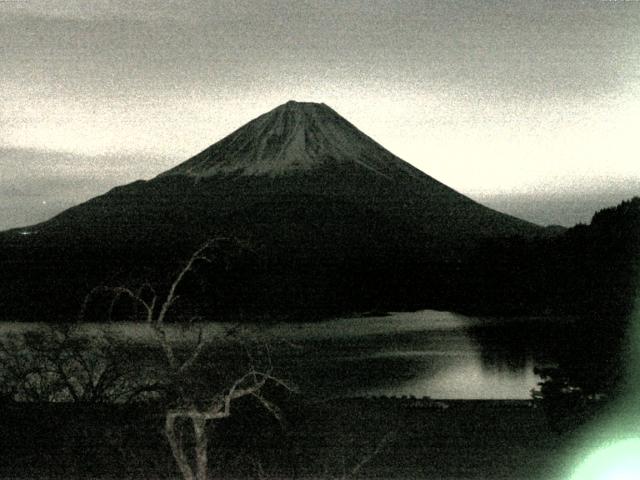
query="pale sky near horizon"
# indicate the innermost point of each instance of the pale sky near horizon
(505, 101)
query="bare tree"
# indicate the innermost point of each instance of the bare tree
(191, 402)
(62, 364)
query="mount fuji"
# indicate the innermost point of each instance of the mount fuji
(335, 219)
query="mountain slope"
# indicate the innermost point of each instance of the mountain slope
(325, 207)
(291, 138)
(303, 149)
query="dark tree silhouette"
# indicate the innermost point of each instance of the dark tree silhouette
(190, 398)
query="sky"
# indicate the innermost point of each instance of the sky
(531, 107)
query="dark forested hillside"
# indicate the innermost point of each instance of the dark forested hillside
(588, 269)
(287, 270)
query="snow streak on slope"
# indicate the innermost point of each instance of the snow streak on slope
(293, 137)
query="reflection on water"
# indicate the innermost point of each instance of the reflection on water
(465, 378)
(425, 353)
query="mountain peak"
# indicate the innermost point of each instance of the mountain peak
(306, 112)
(293, 137)
(301, 105)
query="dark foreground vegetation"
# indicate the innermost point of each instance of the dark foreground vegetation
(359, 438)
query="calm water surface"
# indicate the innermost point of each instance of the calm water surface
(425, 353)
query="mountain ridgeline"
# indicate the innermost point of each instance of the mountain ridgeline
(332, 221)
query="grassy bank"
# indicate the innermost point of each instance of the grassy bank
(357, 438)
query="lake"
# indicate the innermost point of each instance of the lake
(430, 353)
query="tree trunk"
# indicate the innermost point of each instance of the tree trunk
(176, 448)
(199, 428)
(200, 449)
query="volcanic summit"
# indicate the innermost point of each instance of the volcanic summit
(293, 137)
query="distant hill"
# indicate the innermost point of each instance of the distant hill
(335, 222)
